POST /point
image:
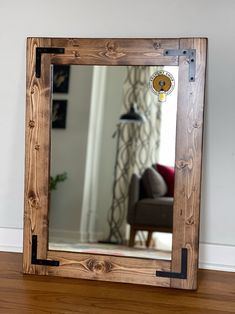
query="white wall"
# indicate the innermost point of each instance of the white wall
(127, 18)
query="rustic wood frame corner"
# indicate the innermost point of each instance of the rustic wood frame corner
(37, 259)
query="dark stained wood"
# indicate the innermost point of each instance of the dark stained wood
(149, 237)
(132, 236)
(30, 294)
(115, 51)
(108, 268)
(37, 155)
(188, 158)
(188, 162)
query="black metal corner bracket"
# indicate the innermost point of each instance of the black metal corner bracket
(40, 51)
(190, 53)
(35, 260)
(183, 273)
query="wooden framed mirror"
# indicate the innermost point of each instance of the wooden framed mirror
(102, 207)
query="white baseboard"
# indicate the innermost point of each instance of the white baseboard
(211, 256)
(11, 239)
(58, 235)
(217, 256)
(63, 235)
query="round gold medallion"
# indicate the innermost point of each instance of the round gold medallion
(162, 82)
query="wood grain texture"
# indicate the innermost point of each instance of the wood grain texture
(37, 155)
(115, 51)
(109, 268)
(188, 158)
(188, 162)
(30, 294)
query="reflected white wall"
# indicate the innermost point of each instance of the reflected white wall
(68, 152)
(168, 123)
(90, 196)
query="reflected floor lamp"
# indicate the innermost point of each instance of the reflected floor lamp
(116, 215)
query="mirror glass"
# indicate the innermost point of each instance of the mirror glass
(112, 159)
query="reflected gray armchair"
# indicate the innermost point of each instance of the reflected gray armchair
(148, 207)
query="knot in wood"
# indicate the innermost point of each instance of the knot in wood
(37, 147)
(190, 220)
(31, 123)
(111, 47)
(32, 90)
(99, 266)
(157, 45)
(33, 202)
(181, 164)
(76, 54)
(196, 125)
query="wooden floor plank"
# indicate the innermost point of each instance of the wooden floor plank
(38, 294)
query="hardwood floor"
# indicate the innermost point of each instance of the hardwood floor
(37, 294)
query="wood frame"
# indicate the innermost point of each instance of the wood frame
(187, 165)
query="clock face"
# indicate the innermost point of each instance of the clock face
(162, 82)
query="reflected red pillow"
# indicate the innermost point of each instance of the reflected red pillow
(168, 174)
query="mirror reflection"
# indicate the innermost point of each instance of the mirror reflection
(112, 159)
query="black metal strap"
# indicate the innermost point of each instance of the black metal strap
(40, 51)
(190, 53)
(183, 272)
(35, 260)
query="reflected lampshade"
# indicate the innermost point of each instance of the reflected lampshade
(132, 116)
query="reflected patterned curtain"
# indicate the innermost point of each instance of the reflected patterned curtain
(137, 144)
